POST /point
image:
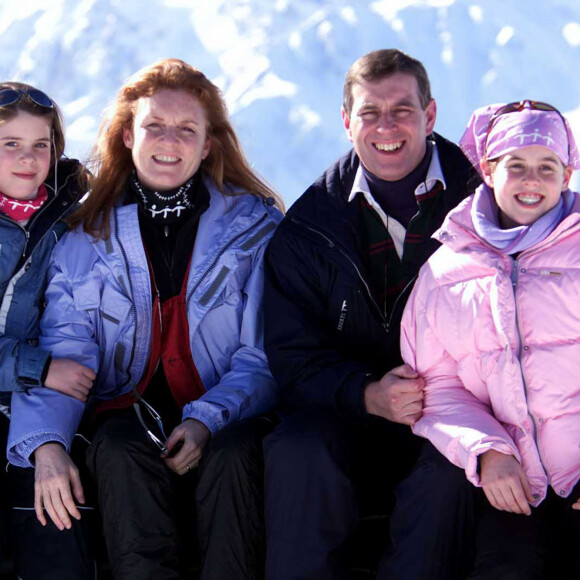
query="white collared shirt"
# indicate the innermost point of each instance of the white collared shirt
(395, 228)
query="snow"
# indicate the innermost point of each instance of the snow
(281, 63)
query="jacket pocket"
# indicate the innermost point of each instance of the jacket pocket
(86, 293)
(108, 307)
(115, 307)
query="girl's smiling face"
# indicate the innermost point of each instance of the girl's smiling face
(24, 155)
(527, 183)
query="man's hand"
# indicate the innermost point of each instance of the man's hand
(194, 436)
(397, 396)
(70, 377)
(505, 483)
(55, 475)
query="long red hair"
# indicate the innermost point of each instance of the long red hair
(226, 163)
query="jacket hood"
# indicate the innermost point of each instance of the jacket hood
(72, 179)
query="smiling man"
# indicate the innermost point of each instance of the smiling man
(338, 273)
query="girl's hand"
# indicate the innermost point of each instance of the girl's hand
(70, 378)
(576, 505)
(504, 483)
(193, 435)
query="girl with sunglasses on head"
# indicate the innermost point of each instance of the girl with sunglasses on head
(493, 325)
(158, 289)
(38, 190)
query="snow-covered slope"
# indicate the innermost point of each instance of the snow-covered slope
(281, 63)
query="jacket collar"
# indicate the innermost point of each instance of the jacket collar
(458, 233)
(324, 205)
(434, 176)
(226, 218)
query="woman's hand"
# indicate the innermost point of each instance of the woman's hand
(505, 483)
(55, 475)
(70, 377)
(576, 505)
(193, 435)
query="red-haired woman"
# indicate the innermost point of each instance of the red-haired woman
(158, 289)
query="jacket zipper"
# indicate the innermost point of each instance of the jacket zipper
(515, 280)
(386, 324)
(133, 307)
(399, 296)
(207, 271)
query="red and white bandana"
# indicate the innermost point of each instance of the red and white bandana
(20, 210)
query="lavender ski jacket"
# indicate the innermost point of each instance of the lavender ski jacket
(99, 313)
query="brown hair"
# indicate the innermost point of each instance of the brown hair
(27, 105)
(379, 64)
(225, 164)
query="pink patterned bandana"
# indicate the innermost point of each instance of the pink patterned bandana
(20, 210)
(515, 130)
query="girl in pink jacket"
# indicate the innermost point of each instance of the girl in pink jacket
(493, 326)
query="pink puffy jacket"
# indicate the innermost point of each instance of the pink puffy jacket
(498, 342)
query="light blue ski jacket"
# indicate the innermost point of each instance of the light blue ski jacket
(99, 313)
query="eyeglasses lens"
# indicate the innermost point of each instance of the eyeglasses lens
(154, 421)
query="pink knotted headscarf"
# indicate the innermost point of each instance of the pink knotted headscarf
(517, 129)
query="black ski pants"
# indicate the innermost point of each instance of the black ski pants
(541, 546)
(158, 525)
(323, 473)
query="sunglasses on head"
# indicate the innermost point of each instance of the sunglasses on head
(12, 96)
(517, 106)
(520, 106)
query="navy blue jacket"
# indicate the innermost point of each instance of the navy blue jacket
(24, 258)
(325, 336)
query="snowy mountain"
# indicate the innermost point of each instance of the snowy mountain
(281, 63)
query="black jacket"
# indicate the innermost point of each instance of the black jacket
(325, 336)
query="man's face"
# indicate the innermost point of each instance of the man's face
(388, 126)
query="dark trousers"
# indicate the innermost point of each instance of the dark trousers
(147, 510)
(537, 547)
(4, 491)
(44, 552)
(151, 516)
(433, 524)
(322, 473)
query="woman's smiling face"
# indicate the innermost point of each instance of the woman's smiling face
(168, 139)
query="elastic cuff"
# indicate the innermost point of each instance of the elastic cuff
(20, 453)
(205, 413)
